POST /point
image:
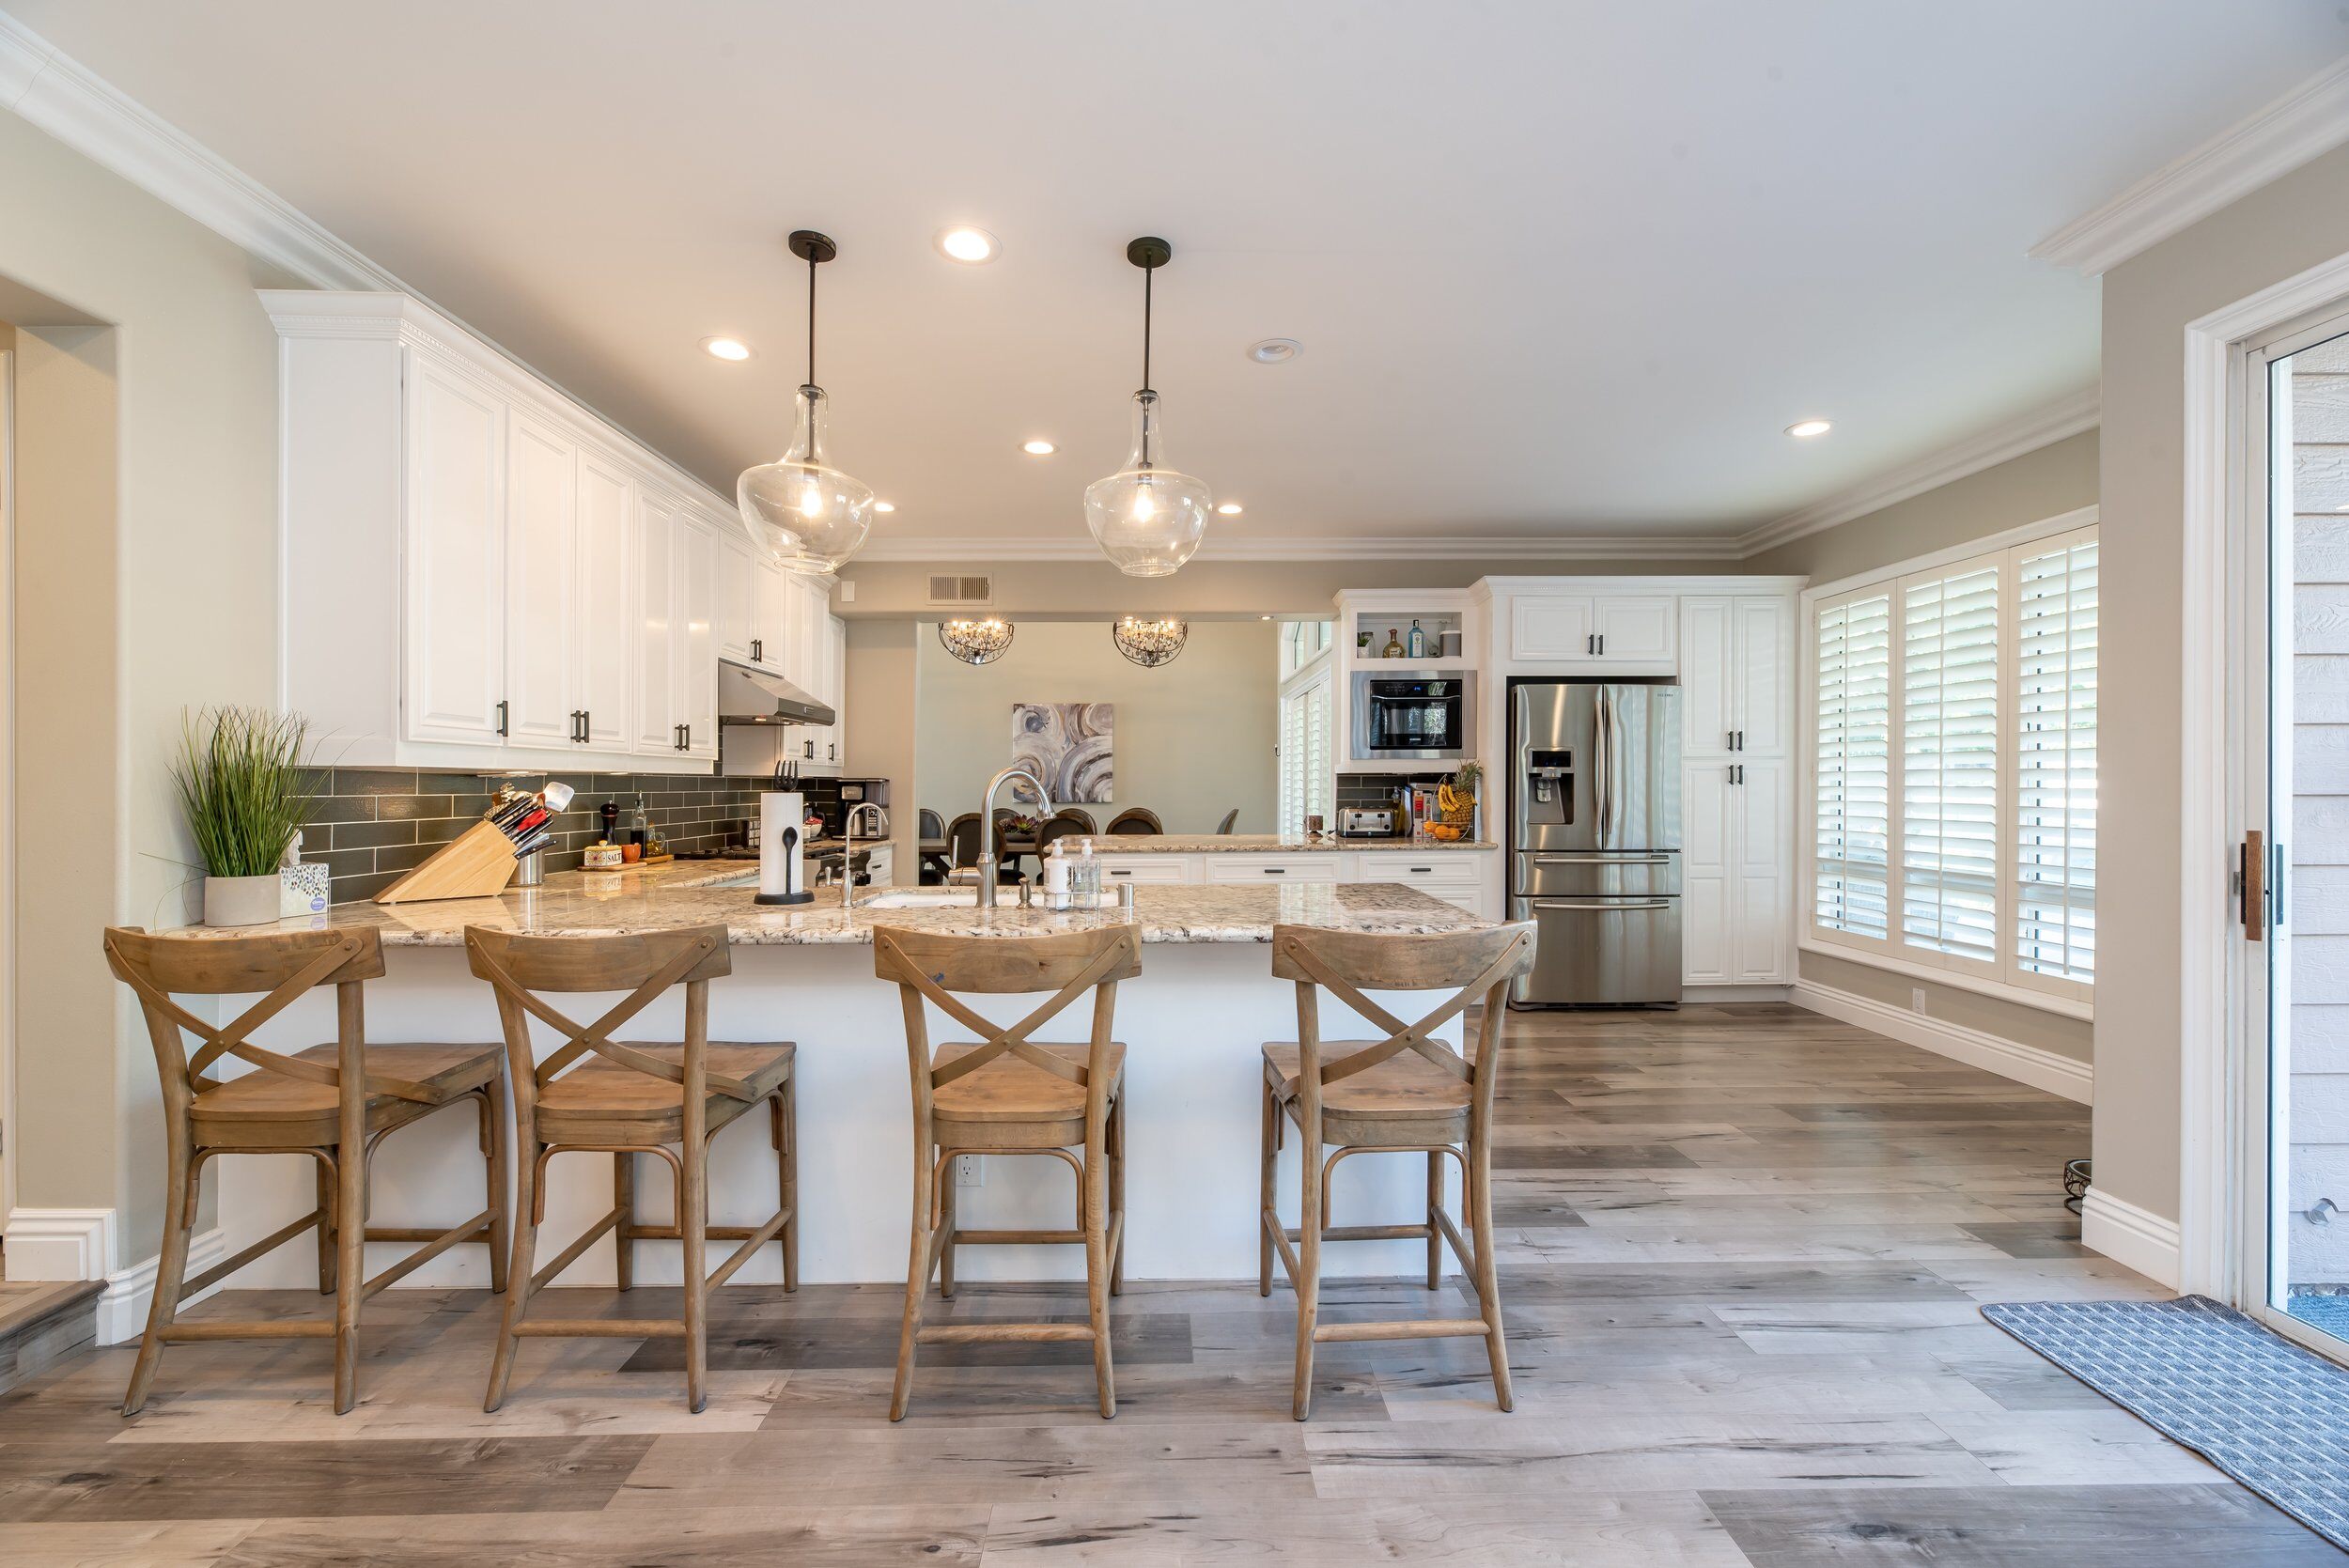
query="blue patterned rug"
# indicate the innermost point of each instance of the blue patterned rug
(2268, 1413)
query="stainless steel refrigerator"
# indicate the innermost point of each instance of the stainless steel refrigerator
(1595, 841)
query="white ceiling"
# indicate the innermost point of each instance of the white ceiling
(1560, 269)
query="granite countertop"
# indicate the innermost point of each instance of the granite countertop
(1261, 844)
(602, 903)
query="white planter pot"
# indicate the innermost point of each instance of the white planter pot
(241, 900)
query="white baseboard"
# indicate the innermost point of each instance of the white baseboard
(2128, 1234)
(1697, 996)
(60, 1244)
(122, 1307)
(2041, 1069)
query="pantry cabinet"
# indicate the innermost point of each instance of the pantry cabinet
(1736, 673)
(481, 573)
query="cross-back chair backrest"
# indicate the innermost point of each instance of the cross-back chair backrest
(644, 963)
(963, 840)
(929, 970)
(1475, 966)
(284, 966)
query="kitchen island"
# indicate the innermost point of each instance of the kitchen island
(1192, 1023)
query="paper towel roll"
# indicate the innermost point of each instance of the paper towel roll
(782, 877)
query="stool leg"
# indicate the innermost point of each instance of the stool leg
(499, 1149)
(1308, 1270)
(624, 1233)
(945, 1191)
(788, 1154)
(1266, 1191)
(326, 1228)
(350, 1241)
(917, 1275)
(693, 1217)
(1480, 1184)
(518, 1272)
(1096, 1227)
(171, 1269)
(1434, 1236)
(1117, 1191)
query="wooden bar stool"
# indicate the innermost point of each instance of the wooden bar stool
(1009, 1094)
(334, 1103)
(1407, 1092)
(593, 1093)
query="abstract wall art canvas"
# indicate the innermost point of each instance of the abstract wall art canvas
(1068, 746)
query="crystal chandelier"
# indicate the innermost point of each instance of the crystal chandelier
(975, 642)
(1149, 519)
(805, 514)
(1149, 644)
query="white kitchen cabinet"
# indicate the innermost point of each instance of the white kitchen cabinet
(604, 624)
(541, 573)
(741, 584)
(1736, 874)
(1632, 632)
(1145, 868)
(1707, 936)
(655, 725)
(696, 608)
(1737, 674)
(1262, 869)
(454, 632)
(836, 692)
(1454, 875)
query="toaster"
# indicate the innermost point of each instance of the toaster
(1366, 822)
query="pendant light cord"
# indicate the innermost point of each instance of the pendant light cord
(1147, 275)
(811, 318)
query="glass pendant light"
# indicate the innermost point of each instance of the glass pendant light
(1149, 519)
(805, 514)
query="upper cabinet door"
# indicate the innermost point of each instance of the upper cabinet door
(541, 576)
(740, 582)
(1764, 675)
(1551, 627)
(455, 621)
(655, 721)
(696, 603)
(604, 655)
(836, 692)
(1707, 696)
(1636, 629)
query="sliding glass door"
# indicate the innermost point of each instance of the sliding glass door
(2293, 879)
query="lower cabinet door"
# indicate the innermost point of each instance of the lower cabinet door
(1706, 824)
(1144, 868)
(1760, 882)
(1272, 868)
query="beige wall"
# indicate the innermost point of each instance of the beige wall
(2055, 479)
(2276, 232)
(162, 600)
(882, 697)
(1195, 739)
(1095, 589)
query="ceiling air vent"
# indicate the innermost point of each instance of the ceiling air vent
(961, 593)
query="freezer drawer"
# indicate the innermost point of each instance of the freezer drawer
(1594, 874)
(1600, 952)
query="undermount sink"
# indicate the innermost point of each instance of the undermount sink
(967, 898)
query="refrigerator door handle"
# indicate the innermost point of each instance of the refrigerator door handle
(1601, 857)
(1601, 903)
(1601, 764)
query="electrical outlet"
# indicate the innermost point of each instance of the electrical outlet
(968, 1172)
(1917, 1000)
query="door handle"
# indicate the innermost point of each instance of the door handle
(1602, 645)
(1602, 859)
(1590, 642)
(758, 650)
(501, 716)
(2255, 886)
(1600, 904)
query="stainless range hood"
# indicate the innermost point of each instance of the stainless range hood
(753, 695)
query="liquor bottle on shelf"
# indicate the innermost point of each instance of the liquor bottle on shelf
(1394, 646)
(1418, 640)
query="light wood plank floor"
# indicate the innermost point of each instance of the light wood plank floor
(1743, 1249)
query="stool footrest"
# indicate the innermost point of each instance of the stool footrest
(1413, 1328)
(304, 1328)
(599, 1328)
(1367, 1233)
(1013, 1238)
(422, 1255)
(994, 1333)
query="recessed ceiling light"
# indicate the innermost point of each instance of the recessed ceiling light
(1038, 448)
(1264, 617)
(1275, 350)
(727, 347)
(884, 506)
(1803, 429)
(970, 246)
(1229, 508)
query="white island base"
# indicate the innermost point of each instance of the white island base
(1192, 1023)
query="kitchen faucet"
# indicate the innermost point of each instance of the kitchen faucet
(991, 843)
(848, 854)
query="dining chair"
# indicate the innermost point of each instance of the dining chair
(1137, 821)
(1224, 829)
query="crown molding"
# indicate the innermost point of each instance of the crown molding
(2310, 119)
(1077, 546)
(1999, 443)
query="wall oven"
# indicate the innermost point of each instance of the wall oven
(1412, 716)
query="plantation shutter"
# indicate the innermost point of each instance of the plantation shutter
(1950, 841)
(1852, 781)
(2054, 737)
(1305, 762)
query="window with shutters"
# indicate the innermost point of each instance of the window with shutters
(1308, 768)
(1953, 766)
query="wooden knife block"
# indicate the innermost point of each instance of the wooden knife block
(477, 863)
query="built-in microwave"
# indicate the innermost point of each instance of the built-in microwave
(1413, 716)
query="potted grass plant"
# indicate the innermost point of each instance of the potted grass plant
(246, 792)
